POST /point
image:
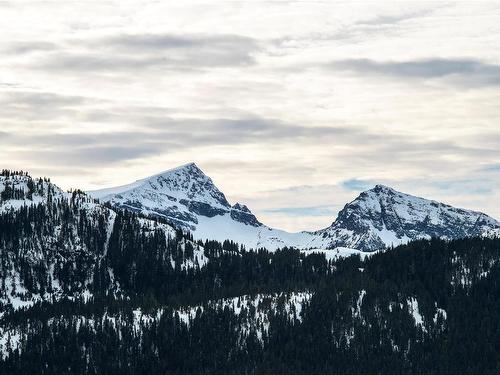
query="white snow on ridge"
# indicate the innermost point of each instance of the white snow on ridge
(176, 194)
(223, 227)
(184, 182)
(187, 198)
(379, 218)
(382, 217)
(98, 194)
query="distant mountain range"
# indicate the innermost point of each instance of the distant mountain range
(377, 218)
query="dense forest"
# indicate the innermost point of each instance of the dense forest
(89, 289)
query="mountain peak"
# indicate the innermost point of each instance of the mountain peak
(377, 218)
(382, 217)
(379, 188)
(184, 194)
(190, 168)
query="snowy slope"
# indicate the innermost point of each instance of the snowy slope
(382, 217)
(378, 218)
(189, 199)
(181, 195)
(18, 190)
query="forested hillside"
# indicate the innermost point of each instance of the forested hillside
(87, 288)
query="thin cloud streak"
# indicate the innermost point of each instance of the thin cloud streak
(133, 52)
(465, 72)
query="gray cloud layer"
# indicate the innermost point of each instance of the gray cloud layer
(163, 135)
(463, 71)
(141, 51)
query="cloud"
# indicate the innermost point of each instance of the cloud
(358, 185)
(386, 24)
(39, 105)
(234, 131)
(25, 47)
(481, 186)
(466, 72)
(215, 44)
(492, 168)
(391, 19)
(160, 137)
(132, 52)
(151, 131)
(95, 155)
(38, 99)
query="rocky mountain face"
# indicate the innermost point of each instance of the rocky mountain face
(181, 195)
(188, 198)
(382, 217)
(378, 218)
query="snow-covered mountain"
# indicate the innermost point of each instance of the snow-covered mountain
(378, 218)
(190, 200)
(182, 195)
(382, 217)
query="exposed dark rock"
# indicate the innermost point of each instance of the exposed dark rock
(203, 209)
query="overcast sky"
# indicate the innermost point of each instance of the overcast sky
(292, 108)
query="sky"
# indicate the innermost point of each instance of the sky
(292, 108)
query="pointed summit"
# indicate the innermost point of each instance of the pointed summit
(379, 188)
(382, 217)
(186, 182)
(189, 167)
(184, 195)
(186, 169)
